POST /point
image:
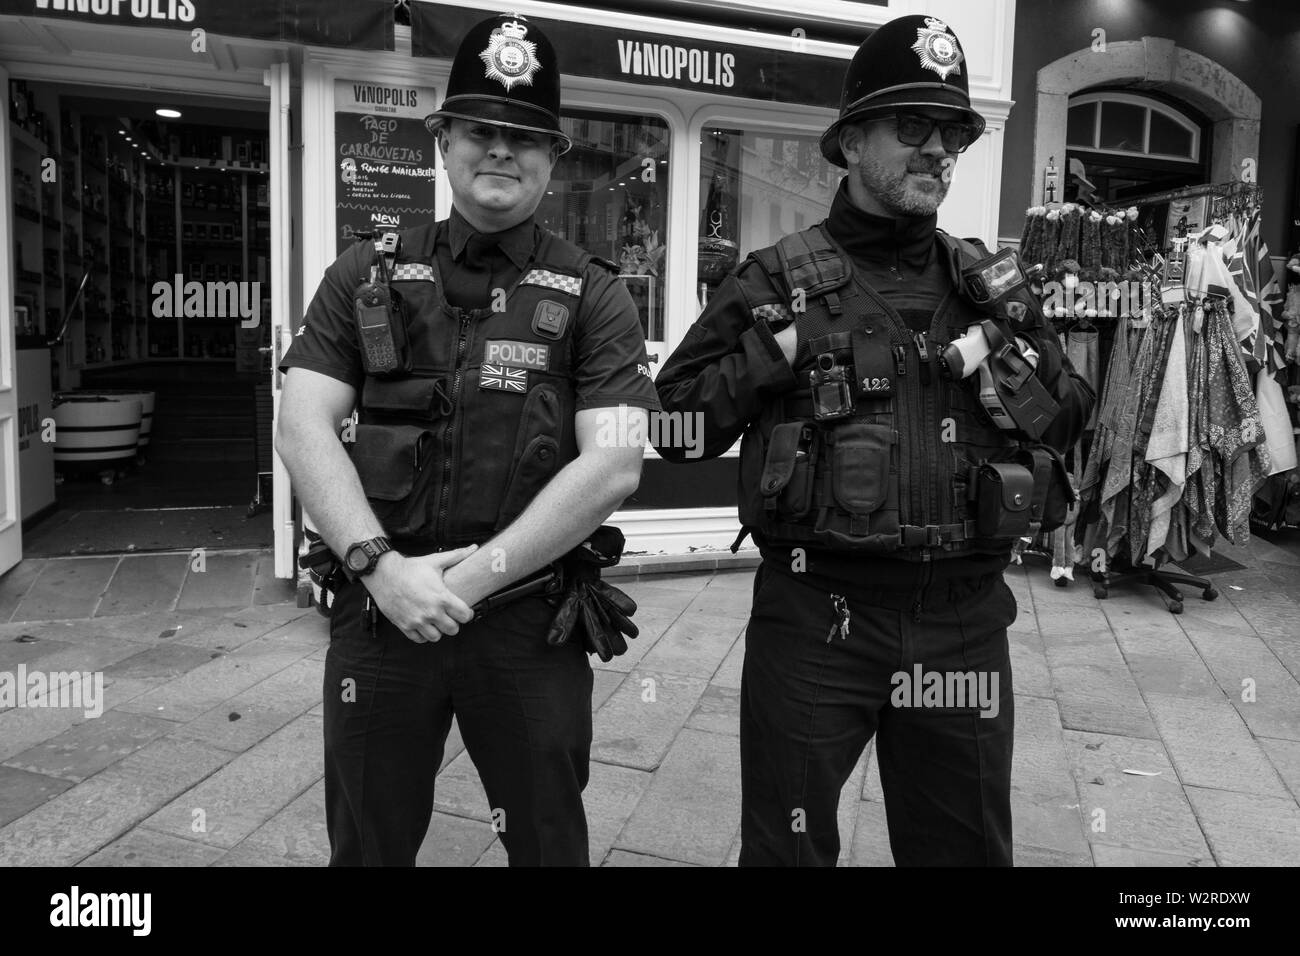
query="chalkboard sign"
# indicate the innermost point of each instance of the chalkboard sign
(383, 158)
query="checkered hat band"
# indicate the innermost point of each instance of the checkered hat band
(412, 272)
(553, 280)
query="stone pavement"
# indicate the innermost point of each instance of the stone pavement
(1142, 737)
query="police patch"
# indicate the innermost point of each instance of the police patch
(550, 318)
(503, 378)
(507, 352)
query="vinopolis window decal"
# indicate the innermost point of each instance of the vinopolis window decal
(356, 24)
(649, 59)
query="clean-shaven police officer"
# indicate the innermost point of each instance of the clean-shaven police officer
(856, 481)
(477, 428)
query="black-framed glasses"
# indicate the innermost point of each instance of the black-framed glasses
(915, 129)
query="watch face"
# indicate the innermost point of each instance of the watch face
(357, 558)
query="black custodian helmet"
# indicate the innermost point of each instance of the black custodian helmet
(505, 73)
(911, 61)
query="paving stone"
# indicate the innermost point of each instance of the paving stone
(267, 588)
(494, 855)
(277, 614)
(161, 663)
(144, 582)
(84, 818)
(1050, 822)
(1237, 656)
(691, 810)
(848, 808)
(871, 787)
(249, 790)
(1095, 690)
(253, 725)
(624, 858)
(1141, 812)
(734, 580)
(871, 836)
(1039, 763)
(1212, 747)
(24, 727)
(732, 669)
(226, 581)
(1284, 755)
(90, 746)
(210, 685)
(718, 711)
(634, 732)
(454, 746)
(733, 855)
(1029, 671)
(459, 791)
(309, 629)
(64, 657)
(244, 857)
(297, 833)
(1164, 661)
(454, 841)
(1023, 854)
(292, 690)
(21, 791)
(657, 596)
(603, 683)
(611, 796)
(217, 633)
(694, 645)
(15, 582)
(145, 847)
(1287, 650)
(651, 624)
(65, 588)
(14, 652)
(1248, 829)
(692, 581)
(721, 602)
(1105, 855)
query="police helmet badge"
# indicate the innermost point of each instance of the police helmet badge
(509, 58)
(937, 48)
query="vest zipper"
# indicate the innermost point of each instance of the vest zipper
(448, 435)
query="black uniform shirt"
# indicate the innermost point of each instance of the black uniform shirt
(729, 367)
(610, 368)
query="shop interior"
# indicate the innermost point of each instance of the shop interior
(142, 278)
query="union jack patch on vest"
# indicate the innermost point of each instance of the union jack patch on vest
(774, 313)
(553, 280)
(503, 378)
(412, 272)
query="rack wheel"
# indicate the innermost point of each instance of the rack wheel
(1176, 607)
(1062, 582)
(1100, 591)
(1210, 593)
(108, 477)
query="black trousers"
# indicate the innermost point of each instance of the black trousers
(809, 706)
(524, 711)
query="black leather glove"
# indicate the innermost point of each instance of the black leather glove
(598, 613)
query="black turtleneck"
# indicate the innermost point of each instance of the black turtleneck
(896, 257)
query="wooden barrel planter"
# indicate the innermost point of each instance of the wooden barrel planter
(94, 432)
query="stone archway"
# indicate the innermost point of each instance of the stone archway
(1152, 63)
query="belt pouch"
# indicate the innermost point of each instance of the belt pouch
(786, 483)
(1003, 494)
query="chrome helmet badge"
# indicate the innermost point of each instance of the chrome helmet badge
(509, 58)
(937, 48)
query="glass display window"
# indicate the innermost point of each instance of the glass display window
(756, 187)
(609, 195)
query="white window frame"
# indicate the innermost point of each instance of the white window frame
(1149, 105)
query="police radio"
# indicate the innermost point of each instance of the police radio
(380, 318)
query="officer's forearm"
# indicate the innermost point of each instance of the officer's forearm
(565, 512)
(326, 481)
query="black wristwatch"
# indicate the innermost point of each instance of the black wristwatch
(362, 557)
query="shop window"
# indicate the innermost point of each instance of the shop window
(754, 188)
(609, 195)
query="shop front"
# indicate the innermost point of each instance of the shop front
(695, 136)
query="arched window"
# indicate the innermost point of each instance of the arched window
(1122, 145)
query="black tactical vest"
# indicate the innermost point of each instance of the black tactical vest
(453, 451)
(896, 476)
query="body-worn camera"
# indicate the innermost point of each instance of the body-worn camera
(832, 389)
